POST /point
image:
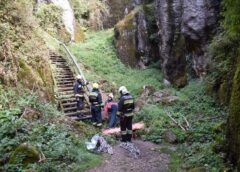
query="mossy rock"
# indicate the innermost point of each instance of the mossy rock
(24, 154)
(28, 76)
(181, 81)
(125, 39)
(233, 133)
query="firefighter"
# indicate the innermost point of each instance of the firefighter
(125, 111)
(95, 99)
(110, 109)
(78, 89)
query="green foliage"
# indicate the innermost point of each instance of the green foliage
(231, 17)
(196, 145)
(99, 56)
(51, 21)
(222, 59)
(90, 13)
(63, 148)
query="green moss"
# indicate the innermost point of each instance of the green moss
(234, 120)
(223, 93)
(28, 76)
(181, 81)
(51, 21)
(79, 34)
(127, 22)
(24, 154)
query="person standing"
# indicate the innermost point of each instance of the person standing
(125, 112)
(95, 99)
(78, 88)
(110, 110)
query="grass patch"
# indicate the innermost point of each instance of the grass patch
(99, 58)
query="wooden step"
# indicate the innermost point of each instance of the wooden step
(65, 82)
(65, 79)
(64, 76)
(65, 88)
(65, 85)
(69, 104)
(79, 118)
(73, 108)
(77, 113)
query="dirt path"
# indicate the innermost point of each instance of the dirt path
(150, 160)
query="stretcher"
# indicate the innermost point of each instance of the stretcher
(136, 126)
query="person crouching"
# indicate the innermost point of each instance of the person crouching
(110, 109)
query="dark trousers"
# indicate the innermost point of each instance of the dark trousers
(96, 114)
(126, 128)
(113, 116)
(80, 103)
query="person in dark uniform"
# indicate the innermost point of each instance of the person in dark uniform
(125, 112)
(95, 99)
(78, 89)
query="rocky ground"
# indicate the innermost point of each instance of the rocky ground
(150, 159)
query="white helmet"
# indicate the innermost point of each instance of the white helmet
(79, 77)
(123, 90)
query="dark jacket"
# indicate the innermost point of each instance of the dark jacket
(126, 104)
(78, 87)
(95, 97)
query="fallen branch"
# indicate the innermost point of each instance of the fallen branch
(177, 123)
(42, 157)
(188, 125)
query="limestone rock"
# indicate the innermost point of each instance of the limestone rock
(132, 39)
(185, 29)
(30, 114)
(165, 97)
(147, 91)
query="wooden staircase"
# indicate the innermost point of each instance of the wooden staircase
(64, 79)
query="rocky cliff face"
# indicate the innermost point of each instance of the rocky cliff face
(117, 11)
(184, 31)
(133, 36)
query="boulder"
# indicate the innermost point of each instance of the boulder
(170, 137)
(165, 98)
(148, 90)
(30, 114)
(139, 104)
